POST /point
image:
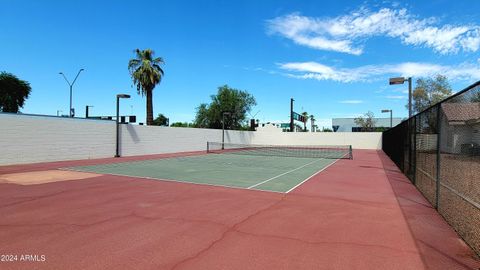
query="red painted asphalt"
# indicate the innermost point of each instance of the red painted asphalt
(357, 214)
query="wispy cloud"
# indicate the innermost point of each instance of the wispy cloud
(347, 33)
(353, 101)
(318, 71)
(395, 97)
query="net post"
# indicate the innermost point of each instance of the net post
(351, 152)
(208, 150)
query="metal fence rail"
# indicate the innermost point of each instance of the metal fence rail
(438, 149)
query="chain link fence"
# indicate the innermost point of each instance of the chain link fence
(439, 151)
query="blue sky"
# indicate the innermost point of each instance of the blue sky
(333, 58)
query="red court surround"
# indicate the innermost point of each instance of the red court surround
(357, 214)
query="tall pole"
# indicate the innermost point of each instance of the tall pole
(223, 130)
(439, 146)
(117, 145)
(391, 121)
(117, 154)
(402, 80)
(87, 110)
(71, 113)
(291, 114)
(409, 97)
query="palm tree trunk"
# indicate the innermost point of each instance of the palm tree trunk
(149, 107)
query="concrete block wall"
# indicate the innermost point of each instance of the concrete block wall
(358, 140)
(145, 140)
(31, 139)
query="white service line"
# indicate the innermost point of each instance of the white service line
(288, 191)
(172, 180)
(270, 179)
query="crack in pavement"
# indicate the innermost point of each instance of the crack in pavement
(132, 214)
(229, 229)
(33, 199)
(324, 242)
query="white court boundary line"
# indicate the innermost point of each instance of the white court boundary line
(308, 178)
(282, 174)
(213, 185)
(173, 180)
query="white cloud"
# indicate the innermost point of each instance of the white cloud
(353, 101)
(395, 97)
(323, 123)
(318, 71)
(346, 33)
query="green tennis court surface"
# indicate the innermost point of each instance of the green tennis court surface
(269, 173)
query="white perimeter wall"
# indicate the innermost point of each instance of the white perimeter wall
(145, 140)
(30, 139)
(358, 140)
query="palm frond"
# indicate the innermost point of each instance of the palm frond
(145, 70)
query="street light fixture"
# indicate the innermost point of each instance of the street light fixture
(390, 111)
(223, 128)
(119, 96)
(401, 80)
(72, 113)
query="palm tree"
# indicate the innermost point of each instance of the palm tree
(305, 117)
(146, 74)
(312, 121)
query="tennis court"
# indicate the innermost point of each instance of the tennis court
(259, 167)
(356, 214)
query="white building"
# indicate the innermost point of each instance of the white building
(348, 124)
(460, 127)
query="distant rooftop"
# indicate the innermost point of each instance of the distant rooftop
(461, 112)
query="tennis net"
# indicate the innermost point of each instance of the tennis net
(307, 151)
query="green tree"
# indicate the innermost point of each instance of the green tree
(235, 103)
(305, 115)
(430, 91)
(312, 123)
(13, 92)
(146, 73)
(327, 129)
(161, 120)
(366, 122)
(182, 124)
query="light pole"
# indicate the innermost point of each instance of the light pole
(86, 110)
(390, 111)
(72, 113)
(119, 96)
(223, 128)
(401, 80)
(291, 114)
